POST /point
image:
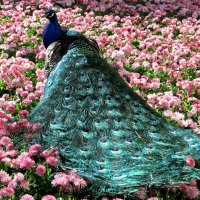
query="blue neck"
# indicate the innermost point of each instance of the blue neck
(52, 32)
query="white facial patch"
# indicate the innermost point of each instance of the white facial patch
(51, 15)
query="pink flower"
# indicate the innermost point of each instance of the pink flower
(52, 160)
(19, 177)
(191, 191)
(22, 123)
(6, 160)
(31, 96)
(24, 184)
(27, 197)
(49, 152)
(142, 194)
(5, 140)
(24, 94)
(61, 179)
(24, 161)
(12, 184)
(10, 108)
(193, 182)
(23, 113)
(4, 177)
(6, 192)
(34, 149)
(36, 127)
(40, 74)
(48, 197)
(40, 170)
(190, 161)
(12, 152)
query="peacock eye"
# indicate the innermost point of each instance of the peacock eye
(134, 120)
(103, 140)
(100, 87)
(98, 120)
(134, 156)
(115, 149)
(117, 175)
(118, 119)
(108, 98)
(100, 160)
(85, 129)
(149, 147)
(83, 149)
(129, 139)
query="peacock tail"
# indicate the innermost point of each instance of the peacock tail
(103, 129)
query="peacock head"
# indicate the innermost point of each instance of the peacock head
(50, 14)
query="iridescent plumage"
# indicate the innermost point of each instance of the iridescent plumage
(106, 131)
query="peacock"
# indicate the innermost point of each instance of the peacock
(101, 127)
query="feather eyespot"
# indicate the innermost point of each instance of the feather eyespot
(108, 98)
(84, 149)
(115, 149)
(188, 139)
(149, 148)
(129, 140)
(103, 140)
(135, 156)
(118, 119)
(100, 87)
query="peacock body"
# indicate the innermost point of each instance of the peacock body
(103, 129)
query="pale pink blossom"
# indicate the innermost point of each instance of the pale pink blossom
(49, 152)
(10, 108)
(12, 184)
(4, 177)
(27, 197)
(5, 141)
(191, 191)
(34, 149)
(153, 198)
(6, 192)
(48, 197)
(23, 112)
(24, 161)
(53, 161)
(19, 177)
(24, 184)
(117, 199)
(40, 170)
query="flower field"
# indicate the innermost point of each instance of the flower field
(154, 45)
